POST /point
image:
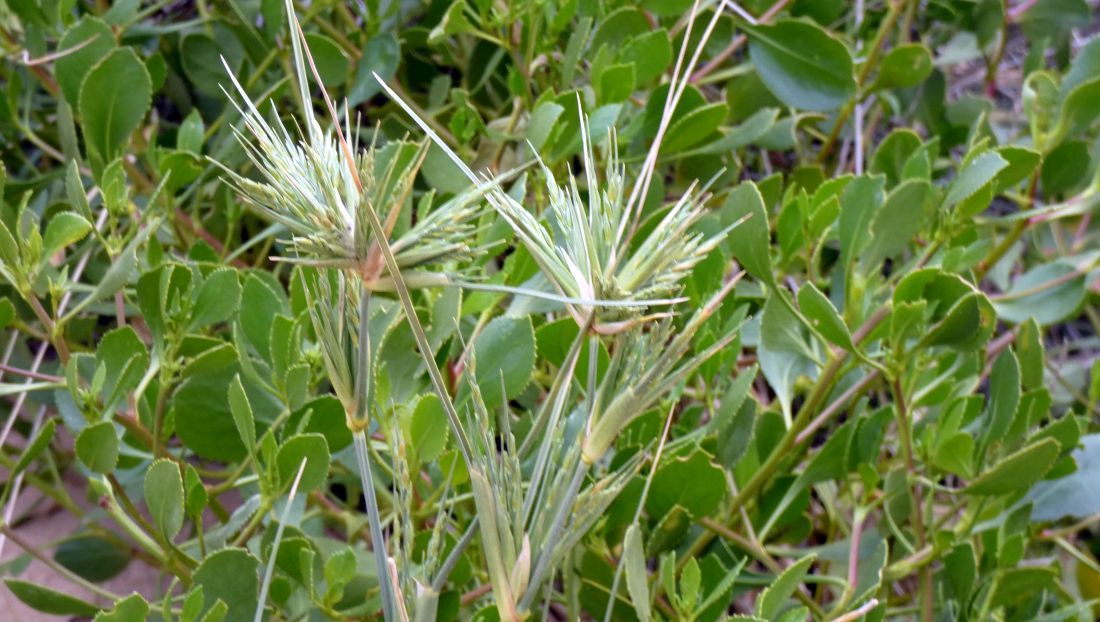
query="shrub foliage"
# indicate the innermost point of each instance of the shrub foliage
(473, 310)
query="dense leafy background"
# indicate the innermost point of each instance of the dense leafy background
(905, 427)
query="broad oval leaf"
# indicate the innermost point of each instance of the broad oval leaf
(504, 354)
(86, 42)
(1048, 293)
(823, 316)
(92, 557)
(1018, 471)
(164, 496)
(802, 65)
(904, 66)
(771, 601)
(230, 575)
(110, 112)
(750, 241)
(97, 447)
(64, 229)
(41, 598)
(637, 577)
(313, 449)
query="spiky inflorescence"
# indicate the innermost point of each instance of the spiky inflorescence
(582, 247)
(306, 184)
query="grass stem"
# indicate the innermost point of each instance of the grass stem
(378, 543)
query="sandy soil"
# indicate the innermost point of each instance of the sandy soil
(43, 527)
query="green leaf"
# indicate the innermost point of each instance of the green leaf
(542, 122)
(553, 340)
(975, 174)
(1018, 471)
(216, 299)
(1022, 162)
(955, 454)
(64, 228)
(694, 127)
(750, 242)
(311, 447)
(260, 303)
(907, 210)
(504, 351)
(381, 55)
(782, 371)
(781, 330)
(771, 601)
(124, 359)
(690, 580)
(616, 82)
(961, 570)
(241, 410)
(1018, 584)
(1054, 19)
(95, 40)
(961, 316)
(734, 439)
(326, 417)
(37, 445)
(730, 403)
(340, 569)
(859, 202)
(748, 132)
(210, 360)
(1074, 496)
(49, 601)
(133, 608)
(193, 606)
(329, 59)
(966, 325)
(230, 575)
(1049, 293)
(97, 447)
(203, 418)
(201, 54)
(821, 313)
(9, 253)
(1079, 110)
(110, 115)
(700, 499)
(92, 557)
(1065, 168)
(892, 153)
(218, 612)
(117, 275)
(189, 137)
(178, 168)
(1029, 347)
(650, 53)
(797, 614)
(637, 577)
(904, 66)
(7, 312)
(618, 26)
(802, 65)
(428, 428)
(195, 495)
(29, 11)
(1004, 396)
(454, 22)
(164, 496)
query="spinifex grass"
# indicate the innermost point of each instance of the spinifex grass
(529, 525)
(921, 287)
(331, 197)
(328, 197)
